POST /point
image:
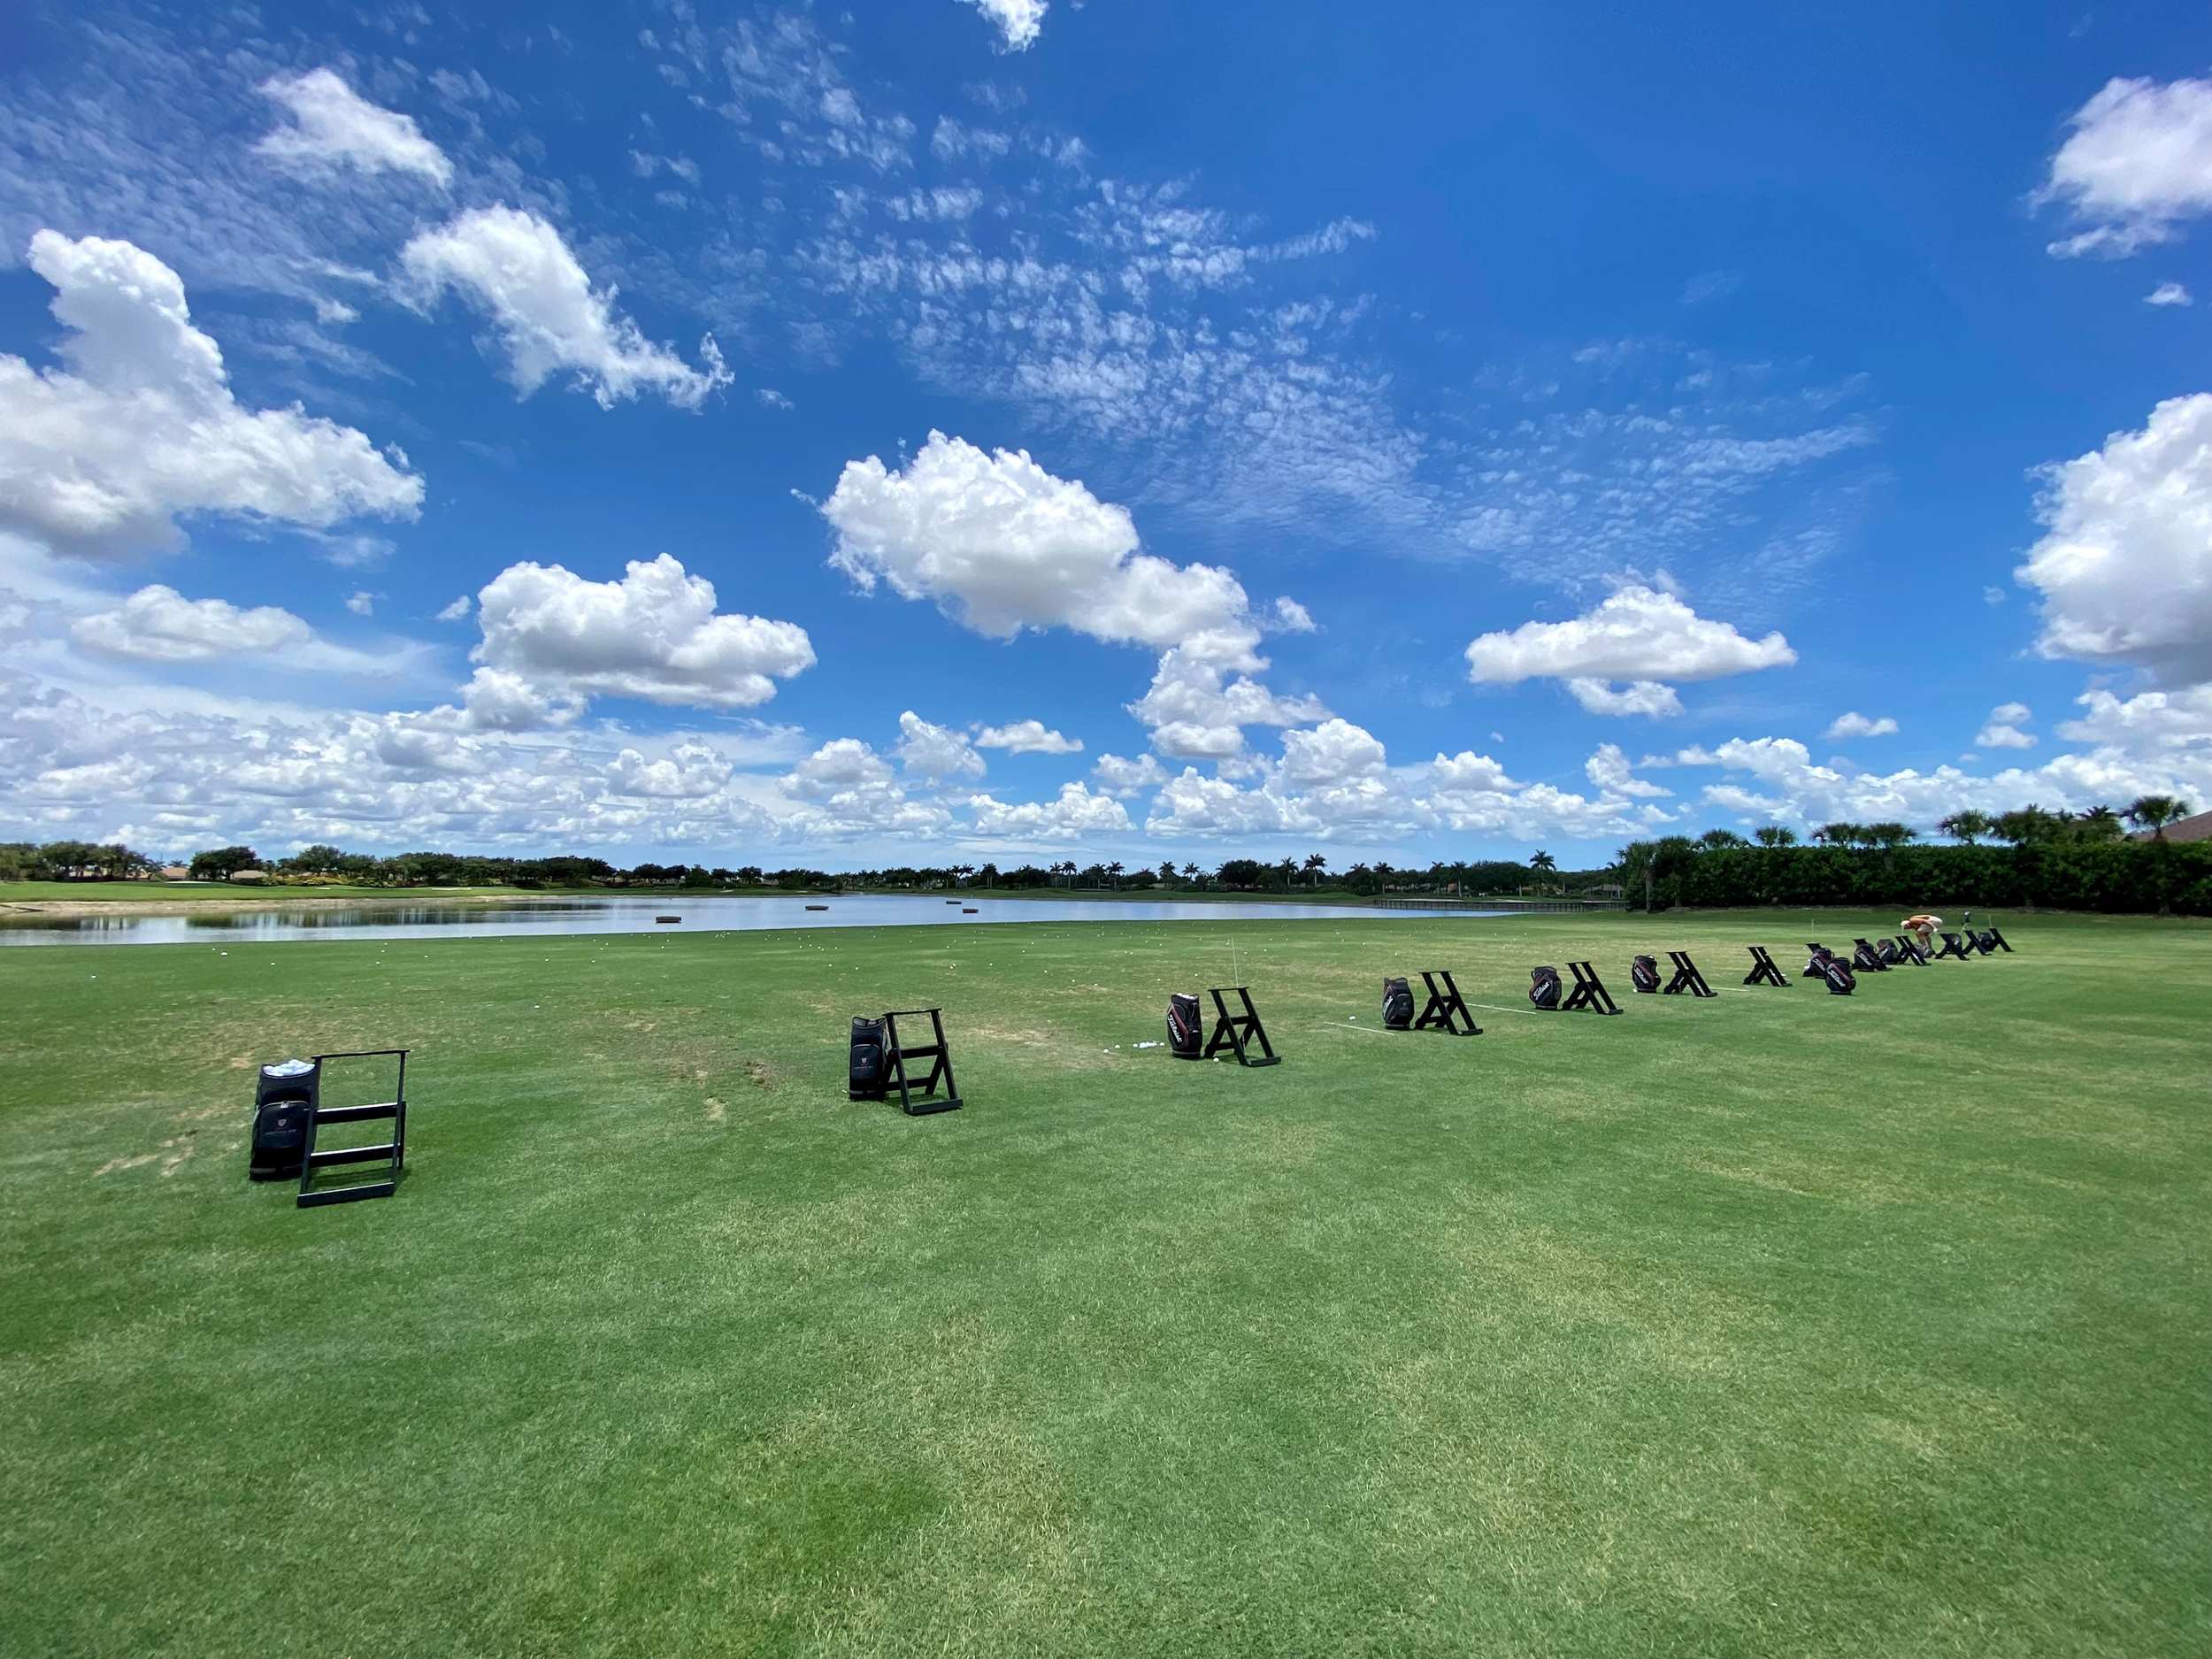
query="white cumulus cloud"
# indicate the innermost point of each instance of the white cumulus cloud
(553, 639)
(1852, 724)
(936, 753)
(1335, 751)
(1196, 712)
(1027, 737)
(1002, 545)
(516, 268)
(2168, 293)
(2151, 721)
(141, 426)
(1074, 815)
(1017, 21)
(1609, 770)
(1641, 696)
(2125, 565)
(333, 127)
(2139, 160)
(459, 610)
(159, 625)
(1120, 776)
(1636, 633)
(2003, 728)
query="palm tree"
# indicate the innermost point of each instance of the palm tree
(1190, 875)
(1316, 867)
(1967, 826)
(2153, 812)
(1114, 870)
(2099, 823)
(1721, 840)
(2030, 822)
(1839, 835)
(1286, 868)
(1774, 835)
(1167, 872)
(1890, 836)
(1543, 861)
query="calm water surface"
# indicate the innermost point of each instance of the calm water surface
(708, 914)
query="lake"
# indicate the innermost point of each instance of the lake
(708, 913)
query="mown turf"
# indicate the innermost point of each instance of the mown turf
(1775, 1324)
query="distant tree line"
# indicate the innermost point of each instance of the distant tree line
(2060, 860)
(73, 861)
(2066, 860)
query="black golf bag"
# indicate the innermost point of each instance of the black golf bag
(1397, 1009)
(1887, 949)
(1543, 988)
(284, 1100)
(1833, 969)
(1866, 960)
(864, 1070)
(1820, 954)
(1986, 942)
(1643, 973)
(1185, 1031)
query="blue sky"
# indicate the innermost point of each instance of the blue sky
(754, 434)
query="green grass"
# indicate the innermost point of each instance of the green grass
(1781, 1324)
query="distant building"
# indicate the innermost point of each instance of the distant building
(251, 875)
(2188, 829)
(175, 872)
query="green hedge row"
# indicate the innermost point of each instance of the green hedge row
(2124, 876)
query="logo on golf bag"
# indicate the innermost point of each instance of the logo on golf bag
(1643, 973)
(1887, 949)
(864, 1072)
(1864, 958)
(1185, 1032)
(1543, 988)
(1397, 1007)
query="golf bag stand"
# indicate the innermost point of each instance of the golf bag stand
(1687, 977)
(392, 1153)
(1953, 946)
(1240, 1032)
(1763, 971)
(1589, 992)
(1445, 1010)
(1909, 950)
(1991, 936)
(915, 1101)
